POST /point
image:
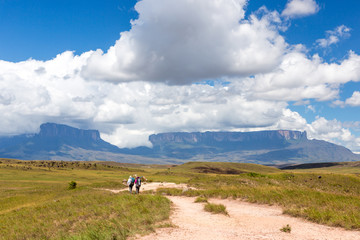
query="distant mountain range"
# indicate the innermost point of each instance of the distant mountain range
(61, 142)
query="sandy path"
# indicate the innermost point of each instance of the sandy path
(246, 221)
(151, 186)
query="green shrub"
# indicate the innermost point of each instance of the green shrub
(216, 208)
(286, 229)
(201, 199)
(72, 185)
(253, 174)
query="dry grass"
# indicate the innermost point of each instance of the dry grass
(35, 203)
(216, 208)
(333, 199)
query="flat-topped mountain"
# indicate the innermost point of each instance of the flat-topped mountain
(276, 147)
(62, 142)
(53, 130)
(221, 137)
(227, 141)
(54, 141)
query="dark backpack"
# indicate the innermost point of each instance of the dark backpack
(138, 182)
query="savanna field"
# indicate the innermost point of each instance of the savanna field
(38, 201)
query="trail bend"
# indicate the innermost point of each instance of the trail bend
(245, 221)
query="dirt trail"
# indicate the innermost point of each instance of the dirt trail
(152, 186)
(246, 221)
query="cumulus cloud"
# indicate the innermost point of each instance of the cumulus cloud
(125, 113)
(333, 131)
(300, 8)
(144, 84)
(354, 100)
(180, 42)
(299, 78)
(30, 97)
(334, 36)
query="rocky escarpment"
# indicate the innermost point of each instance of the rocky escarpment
(53, 130)
(265, 147)
(228, 137)
(57, 141)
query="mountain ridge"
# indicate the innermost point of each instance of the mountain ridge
(62, 142)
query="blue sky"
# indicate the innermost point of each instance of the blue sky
(130, 68)
(41, 29)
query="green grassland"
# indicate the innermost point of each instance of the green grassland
(35, 202)
(335, 167)
(326, 197)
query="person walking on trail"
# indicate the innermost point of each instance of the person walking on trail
(130, 183)
(138, 184)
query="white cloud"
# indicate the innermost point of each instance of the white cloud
(125, 137)
(334, 36)
(31, 97)
(142, 84)
(290, 120)
(311, 108)
(354, 100)
(299, 78)
(338, 103)
(300, 8)
(124, 113)
(180, 42)
(333, 131)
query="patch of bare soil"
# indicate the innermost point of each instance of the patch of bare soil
(152, 186)
(246, 221)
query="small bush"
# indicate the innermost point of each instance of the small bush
(72, 185)
(255, 175)
(216, 208)
(201, 199)
(286, 229)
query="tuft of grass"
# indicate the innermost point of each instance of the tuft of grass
(72, 185)
(216, 208)
(201, 199)
(286, 229)
(167, 225)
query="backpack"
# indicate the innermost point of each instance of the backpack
(132, 181)
(138, 182)
(129, 181)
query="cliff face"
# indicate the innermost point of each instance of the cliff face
(259, 147)
(56, 141)
(228, 137)
(53, 130)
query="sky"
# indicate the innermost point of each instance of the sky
(134, 68)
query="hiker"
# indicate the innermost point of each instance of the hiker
(130, 183)
(137, 184)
